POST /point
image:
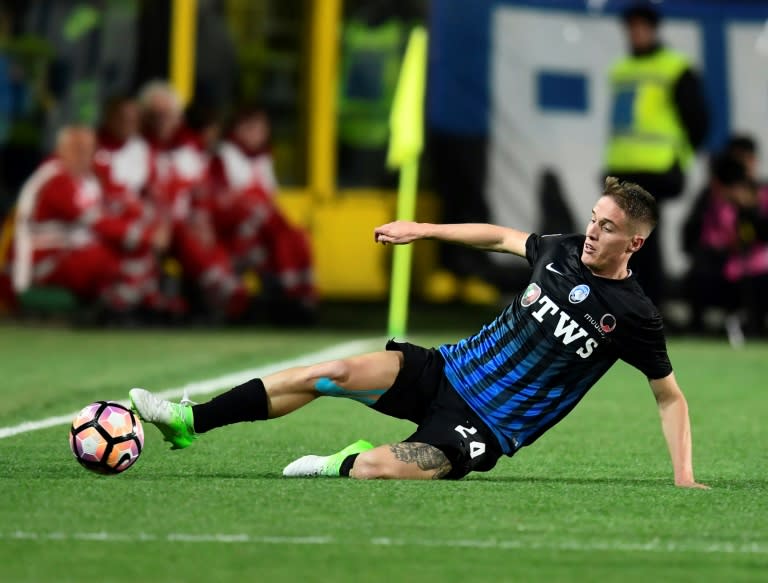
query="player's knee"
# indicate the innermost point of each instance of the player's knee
(370, 465)
(336, 370)
(339, 370)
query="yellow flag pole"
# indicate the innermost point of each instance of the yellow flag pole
(406, 143)
(401, 261)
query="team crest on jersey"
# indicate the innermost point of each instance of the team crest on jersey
(578, 294)
(530, 295)
(608, 323)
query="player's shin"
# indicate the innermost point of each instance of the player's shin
(246, 402)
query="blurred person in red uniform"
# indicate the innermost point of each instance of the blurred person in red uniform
(124, 161)
(66, 237)
(247, 220)
(206, 123)
(181, 165)
(125, 166)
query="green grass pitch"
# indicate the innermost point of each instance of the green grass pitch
(591, 501)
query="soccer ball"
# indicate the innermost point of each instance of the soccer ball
(106, 437)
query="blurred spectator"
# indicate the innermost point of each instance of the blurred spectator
(216, 66)
(747, 264)
(249, 223)
(24, 100)
(124, 165)
(64, 236)
(180, 159)
(216, 74)
(458, 175)
(181, 164)
(205, 121)
(744, 148)
(372, 45)
(455, 166)
(659, 119)
(727, 237)
(123, 162)
(93, 54)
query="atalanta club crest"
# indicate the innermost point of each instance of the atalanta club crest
(608, 323)
(530, 295)
(578, 294)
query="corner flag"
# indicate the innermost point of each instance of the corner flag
(406, 123)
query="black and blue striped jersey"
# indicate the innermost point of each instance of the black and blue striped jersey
(523, 372)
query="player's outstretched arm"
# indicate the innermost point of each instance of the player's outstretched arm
(478, 235)
(676, 425)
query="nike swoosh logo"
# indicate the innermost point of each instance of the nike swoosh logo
(553, 270)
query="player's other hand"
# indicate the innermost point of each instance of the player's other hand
(398, 233)
(691, 484)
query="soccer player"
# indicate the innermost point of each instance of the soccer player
(498, 390)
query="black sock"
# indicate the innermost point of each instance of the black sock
(346, 465)
(246, 402)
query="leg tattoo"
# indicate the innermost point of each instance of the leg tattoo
(427, 457)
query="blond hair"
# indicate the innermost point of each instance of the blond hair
(158, 87)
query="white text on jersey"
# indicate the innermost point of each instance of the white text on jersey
(567, 329)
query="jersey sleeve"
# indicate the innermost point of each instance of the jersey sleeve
(538, 245)
(646, 348)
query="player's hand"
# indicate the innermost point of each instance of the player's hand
(691, 484)
(398, 233)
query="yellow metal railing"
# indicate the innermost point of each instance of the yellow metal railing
(323, 75)
(325, 21)
(333, 221)
(182, 57)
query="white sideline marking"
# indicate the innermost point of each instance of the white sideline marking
(214, 384)
(649, 546)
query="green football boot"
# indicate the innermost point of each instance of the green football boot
(324, 465)
(174, 420)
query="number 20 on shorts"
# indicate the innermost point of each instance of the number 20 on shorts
(476, 448)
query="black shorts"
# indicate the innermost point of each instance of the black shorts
(422, 394)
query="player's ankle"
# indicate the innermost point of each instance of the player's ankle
(347, 465)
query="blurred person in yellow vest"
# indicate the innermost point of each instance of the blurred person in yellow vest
(372, 45)
(659, 119)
